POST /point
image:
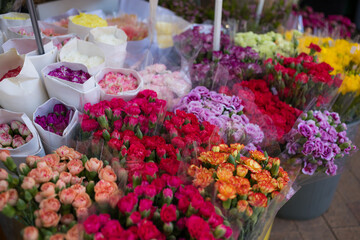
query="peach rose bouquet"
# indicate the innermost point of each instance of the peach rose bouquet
(51, 194)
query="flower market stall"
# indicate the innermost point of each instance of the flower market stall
(150, 123)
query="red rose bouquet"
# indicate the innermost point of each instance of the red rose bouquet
(244, 186)
(53, 192)
(301, 79)
(160, 208)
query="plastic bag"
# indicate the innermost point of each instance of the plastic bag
(50, 140)
(25, 92)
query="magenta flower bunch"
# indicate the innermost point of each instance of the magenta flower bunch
(160, 208)
(65, 73)
(56, 121)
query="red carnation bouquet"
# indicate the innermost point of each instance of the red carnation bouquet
(297, 81)
(274, 116)
(185, 132)
(103, 121)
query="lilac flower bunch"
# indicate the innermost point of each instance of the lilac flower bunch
(224, 112)
(318, 141)
(65, 73)
(14, 135)
(234, 62)
(56, 121)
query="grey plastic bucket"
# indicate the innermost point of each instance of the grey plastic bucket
(311, 201)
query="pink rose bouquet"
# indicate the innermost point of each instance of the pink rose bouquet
(115, 83)
(53, 192)
(14, 135)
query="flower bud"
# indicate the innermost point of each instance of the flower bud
(15, 125)
(48, 190)
(134, 218)
(65, 177)
(3, 174)
(4, 128)
(28, 183)
(60, 184)
(31, 160)
(94, 165)
(13, 197)
(67, 219)
(3, 185)
(30, 233)
(24, 130)
(5, 139)
(29, 137)
(24, 169)
(168, 228)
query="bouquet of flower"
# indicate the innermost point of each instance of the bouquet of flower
(14, 135)
(102, 120)
(344, 57)
(298, 80)
(267, 45)
(224, 112)
(129, 23)
(67, 74)
(185, 132)
(170, 86)
(195, 45)
(56, 121)
(11, 73)
(275, 117)
(333, 24)
(162, 208)
(245, 186)
(53, 192)
(318, 142)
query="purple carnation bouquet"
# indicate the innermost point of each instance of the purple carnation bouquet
(224, 112)
(319, 143)
(206, 67)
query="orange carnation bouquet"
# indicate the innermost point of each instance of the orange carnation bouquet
(249, 186)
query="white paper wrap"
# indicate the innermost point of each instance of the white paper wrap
(71, 93)
(71, 12)
(52, 141)
(25, 92)
(29, 47)
(13, 31)
(6, 23)
(33, 147)
(128, 95)
(86, 48)
(114, 54)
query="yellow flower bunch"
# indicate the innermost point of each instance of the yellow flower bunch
(351, 83)
(343, 56)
